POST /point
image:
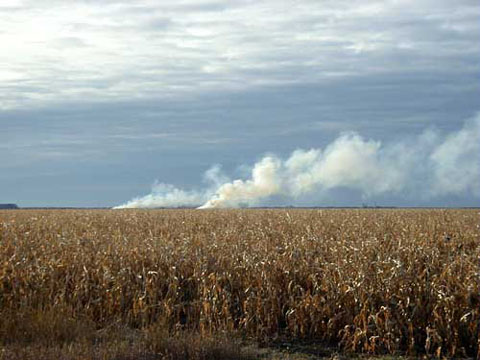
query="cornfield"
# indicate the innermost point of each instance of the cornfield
(367, 280)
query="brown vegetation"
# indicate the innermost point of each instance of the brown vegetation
(373, 281)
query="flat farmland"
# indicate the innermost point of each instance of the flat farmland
(201, 284)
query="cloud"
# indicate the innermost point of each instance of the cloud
(116, 50)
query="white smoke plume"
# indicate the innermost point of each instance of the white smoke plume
(167, 195)
(265, 181)
(429, 165)
(456, 162)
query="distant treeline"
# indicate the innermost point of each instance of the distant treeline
(8, 206)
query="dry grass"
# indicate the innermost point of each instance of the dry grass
(370, 281)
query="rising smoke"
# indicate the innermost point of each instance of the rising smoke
(430, 165)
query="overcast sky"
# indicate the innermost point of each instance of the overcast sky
(98, 100)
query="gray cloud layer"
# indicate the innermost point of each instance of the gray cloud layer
(118, 50)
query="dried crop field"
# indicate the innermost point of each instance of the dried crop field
(366, 280)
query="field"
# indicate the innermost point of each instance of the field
(228, 284)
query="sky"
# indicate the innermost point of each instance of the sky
(105, 102)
